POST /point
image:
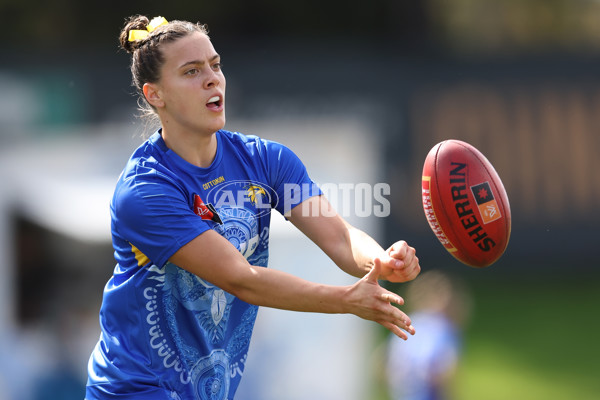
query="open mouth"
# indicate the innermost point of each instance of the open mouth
(214, 102)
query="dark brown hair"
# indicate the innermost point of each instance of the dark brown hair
(147, 58)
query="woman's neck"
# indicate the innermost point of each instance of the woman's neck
(199, 150)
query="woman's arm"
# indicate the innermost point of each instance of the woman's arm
(350, 248)
(213, 258)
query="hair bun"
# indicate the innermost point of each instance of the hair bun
(136, 22)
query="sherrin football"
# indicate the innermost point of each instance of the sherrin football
(465, 203)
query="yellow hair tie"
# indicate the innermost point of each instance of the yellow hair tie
(137, 34)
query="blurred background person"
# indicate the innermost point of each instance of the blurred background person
(423, 369)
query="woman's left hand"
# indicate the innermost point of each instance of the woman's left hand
(400, 264)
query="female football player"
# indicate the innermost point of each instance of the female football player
(190, 230)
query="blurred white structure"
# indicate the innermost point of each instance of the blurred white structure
(61, 181)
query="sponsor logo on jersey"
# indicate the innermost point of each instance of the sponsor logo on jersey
(205, 211)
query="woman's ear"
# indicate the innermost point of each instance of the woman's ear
(153, 95)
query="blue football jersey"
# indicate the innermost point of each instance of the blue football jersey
(165, 332)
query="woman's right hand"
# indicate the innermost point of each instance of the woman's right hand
(368, 300)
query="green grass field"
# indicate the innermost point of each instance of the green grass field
(530, 339)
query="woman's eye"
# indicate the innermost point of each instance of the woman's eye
(217, 66)
(192, 71)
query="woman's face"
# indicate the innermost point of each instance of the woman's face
(192, 86)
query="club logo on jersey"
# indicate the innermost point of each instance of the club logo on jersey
(254, 191)
(254, 196)
(206, 211)
(488, 207)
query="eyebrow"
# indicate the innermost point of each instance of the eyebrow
(198, 62)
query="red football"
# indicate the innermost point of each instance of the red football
(465, 203)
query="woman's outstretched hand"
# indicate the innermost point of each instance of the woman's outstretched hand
(370, 301)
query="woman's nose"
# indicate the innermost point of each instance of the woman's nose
(213, 79)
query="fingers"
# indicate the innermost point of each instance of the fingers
(402, 252)
(395, 330)
(398, 250)
(373, 274)
(392, 298)
(398, 321)
(400, 326)
(402, 264)
(378, 303)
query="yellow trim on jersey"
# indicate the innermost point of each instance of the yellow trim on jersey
(139, 256)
